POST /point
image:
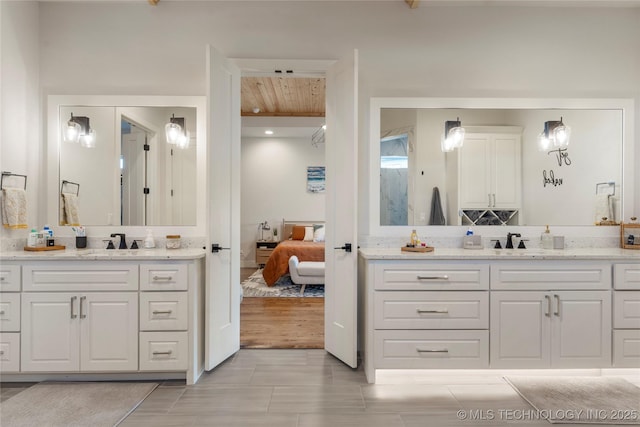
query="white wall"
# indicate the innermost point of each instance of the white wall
(444, 51)
(20, 148)
(274, 186)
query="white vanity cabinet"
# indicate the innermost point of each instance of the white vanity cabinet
(164, 317)
(424, 315)
(84, 331)
(79, 316)
(555, 314)
(9, 317)
(118, 317)
(490, 168)
(626, 316)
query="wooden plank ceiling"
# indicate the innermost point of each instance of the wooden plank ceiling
(283, 96)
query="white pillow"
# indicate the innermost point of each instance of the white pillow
(308, 234)
(318, 235)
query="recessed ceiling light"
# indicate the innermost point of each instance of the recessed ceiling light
(268, 132)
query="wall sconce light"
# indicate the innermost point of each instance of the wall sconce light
(176, 132)
(453, 135)
(78, 130)
(554, 135)
(264, 226)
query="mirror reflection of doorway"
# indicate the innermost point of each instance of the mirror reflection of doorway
(134, 173)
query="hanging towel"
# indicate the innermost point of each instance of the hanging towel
(71, 215)
(14, 208)
(437, 217)
(603, 207)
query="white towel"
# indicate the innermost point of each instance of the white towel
(14, 208)
(71, 215)
(603, 207)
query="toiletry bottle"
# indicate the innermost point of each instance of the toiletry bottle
(470, 232)
(414, 238)
(148, 241)
(547, 239)
(32, 241)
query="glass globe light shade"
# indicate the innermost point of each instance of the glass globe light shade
(88, 140)
(72, 132)
(183, 140)
(173, 132)
(562, 134)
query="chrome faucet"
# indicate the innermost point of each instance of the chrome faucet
(510, 236)
(123, 242)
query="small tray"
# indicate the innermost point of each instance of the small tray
(418, 249)
(45, 248)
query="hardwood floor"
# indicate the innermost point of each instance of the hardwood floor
(281, 322)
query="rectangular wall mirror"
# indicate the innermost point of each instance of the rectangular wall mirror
(129, 175)
(499, 176)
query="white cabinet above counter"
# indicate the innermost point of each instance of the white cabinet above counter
(90, 316)
(496, 309)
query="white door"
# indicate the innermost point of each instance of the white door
(109, 331)
(133, 180)
(475, 185)
(581, 329)
(341, 210)
(223, 266)
(506, 170)
(50, 332)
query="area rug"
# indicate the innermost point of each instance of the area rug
(74, 404)
(580, 400)
(255, 286)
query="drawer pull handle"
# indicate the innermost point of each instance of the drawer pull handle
(162, 277)
(73, 304)
(557, 298)
(445, 277)
(2, 279)
(1, 312)
(420, 311)
(162, 311)
(548, 312)
(82, 314)
(420, 350)
(1, 352)
(159, 353)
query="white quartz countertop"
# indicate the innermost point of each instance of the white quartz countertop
(503, 254)
(104, 254)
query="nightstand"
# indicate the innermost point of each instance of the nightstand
(263, 251)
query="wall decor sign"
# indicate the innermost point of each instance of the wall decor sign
(549, 178)
(315, 179)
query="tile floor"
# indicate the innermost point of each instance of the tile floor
(304, 388)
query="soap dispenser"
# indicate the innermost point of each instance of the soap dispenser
(148, 241)
(547, 239)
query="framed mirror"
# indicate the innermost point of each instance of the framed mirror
(129, 175)
(499, 176)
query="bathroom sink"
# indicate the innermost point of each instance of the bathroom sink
(520, 252)
(108, 253)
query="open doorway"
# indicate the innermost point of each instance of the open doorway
(282, 141)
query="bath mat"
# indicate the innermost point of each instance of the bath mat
(74, 404)
(581, 400)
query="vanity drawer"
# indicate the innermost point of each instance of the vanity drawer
(431, 349)
(164, 351)
(431, 310)
(10, 312)
(163, 277)
(626, 309)
(163, 311)
(430, 277)
(626, 348)
(626, 276)
(9, 278)
(9, 352)
(80, 276)
(551, 275)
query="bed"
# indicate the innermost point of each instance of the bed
(306, 247)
